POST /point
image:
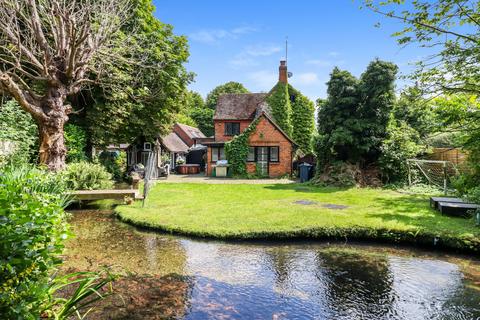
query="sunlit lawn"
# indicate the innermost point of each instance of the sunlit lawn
(249, 211)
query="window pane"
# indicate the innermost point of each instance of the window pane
(251, 154)
(222, 154)
(214, 154)
(235, 128)
(274, 154)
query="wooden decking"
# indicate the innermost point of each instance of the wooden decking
(89, 195)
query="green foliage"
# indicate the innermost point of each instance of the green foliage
(87, 176)
(88, 290)
(279, 103)
(115, 163)
(138, 101)
(17, 126)
(194, 100)
(236, 151)
(302, 119)
(449, 29)
(229, 87)
(32, 230)
(203, 118)
(76, 143)
(352, 121)
(418, 112)
(402, 143)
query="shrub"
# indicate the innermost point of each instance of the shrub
(115, 163)
(17, 127)
(76, 143)
(401, 144)
(32, 229)
(87, 176)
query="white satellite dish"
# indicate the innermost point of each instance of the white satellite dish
(289, 74)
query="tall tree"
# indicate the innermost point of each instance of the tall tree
(229, 87)
(337, 123)
(145, 92)
(48, 49)
(352, 122)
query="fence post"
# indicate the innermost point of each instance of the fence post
(445, 178)
(409, 174)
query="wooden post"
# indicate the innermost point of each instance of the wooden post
(409, 174)
(445, 178)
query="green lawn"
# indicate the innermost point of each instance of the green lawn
(269, 211)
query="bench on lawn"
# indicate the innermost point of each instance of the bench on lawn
(457, 209)
(435, 200)
(453, 206)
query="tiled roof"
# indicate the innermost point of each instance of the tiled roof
(192, 132)
(238, 106)
(173, 143)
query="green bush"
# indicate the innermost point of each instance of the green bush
(115, 163)
(87, 176)
(18, 127)
(402, 143)
(236, 151)
(76, 143)
(32, 229)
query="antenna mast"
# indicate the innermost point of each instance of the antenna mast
(286, 50)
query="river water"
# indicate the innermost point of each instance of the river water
(180, 278)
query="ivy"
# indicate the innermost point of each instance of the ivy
(303, 119)
(279, 102)
(236, 150)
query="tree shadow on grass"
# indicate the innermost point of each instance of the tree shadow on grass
(305, 188)
(415, 211)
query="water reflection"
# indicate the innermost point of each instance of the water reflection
(217, 280)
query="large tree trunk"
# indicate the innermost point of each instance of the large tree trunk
(52, 143)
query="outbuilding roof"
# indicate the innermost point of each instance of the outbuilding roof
(238, 106)
(173, 143)
(192, 132)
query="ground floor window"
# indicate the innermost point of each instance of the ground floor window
(218, 153)
(263, 154)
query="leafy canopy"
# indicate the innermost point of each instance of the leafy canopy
(352, 121)
(229, 87)
(134, 103)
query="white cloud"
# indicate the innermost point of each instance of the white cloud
(263, 79)
(325, 63)
(211, 36)
(307, 78)
(248, 55)
(333, 54)
(320, 62)
(261, 50)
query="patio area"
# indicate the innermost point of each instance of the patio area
(201, 178)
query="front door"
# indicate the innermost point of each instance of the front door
(262, 160)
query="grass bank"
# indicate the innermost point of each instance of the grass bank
(299, 211)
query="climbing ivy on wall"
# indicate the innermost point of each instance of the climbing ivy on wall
(303, 120)
(279, 102)
(236, 150)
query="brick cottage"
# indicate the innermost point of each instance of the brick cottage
(270, 148)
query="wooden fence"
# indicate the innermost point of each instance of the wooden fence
(454, 155)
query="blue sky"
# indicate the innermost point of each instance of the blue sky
(245, 40)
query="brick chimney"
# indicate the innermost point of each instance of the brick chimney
(283, 77)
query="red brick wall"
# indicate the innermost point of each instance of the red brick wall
(220, 128)
(265, 135)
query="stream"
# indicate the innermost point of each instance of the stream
(170, 277)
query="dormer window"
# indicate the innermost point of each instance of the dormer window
(147, 146)
(232, 128)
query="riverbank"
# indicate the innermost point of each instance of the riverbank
(290, 211)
